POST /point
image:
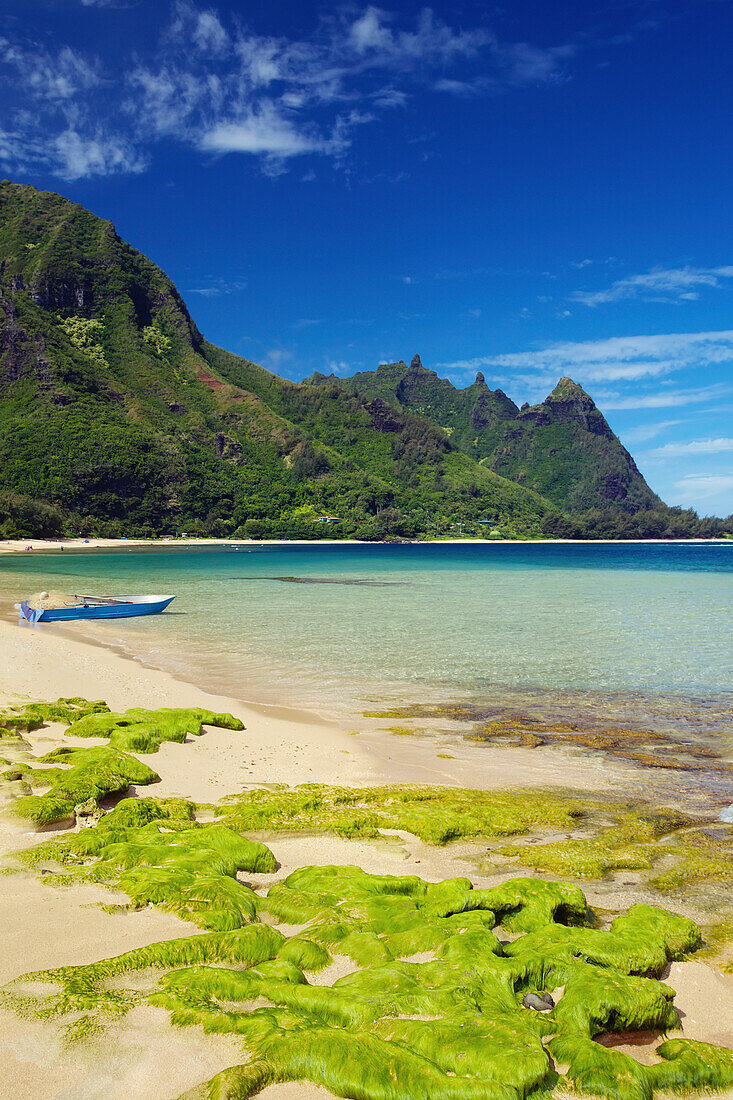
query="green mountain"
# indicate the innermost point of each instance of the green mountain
(116, 416)
(562, 448)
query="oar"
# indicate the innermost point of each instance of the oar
(104, 600)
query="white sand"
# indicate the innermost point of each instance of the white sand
(16, 546)
(143, 1057)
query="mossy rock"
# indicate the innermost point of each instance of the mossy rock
(158, 854)
(451, 1026)
(143, 731)
(32, 716)
(434, 814)
(93, 774)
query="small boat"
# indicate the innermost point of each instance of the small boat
(96, 607)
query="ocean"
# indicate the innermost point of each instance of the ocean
(336, 627)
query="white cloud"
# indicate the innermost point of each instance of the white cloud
(663, 399)
(368, 32)
(261, 131)
(277, 358)
(213, 85)
(701, 486)
(370, 35)
(661, 285)
(338, 366)
(77, 157)
(619, 358)
(55, 78)
(203, 29)
(215, 288)
(693, 447)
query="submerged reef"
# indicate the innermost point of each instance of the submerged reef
(683, 737)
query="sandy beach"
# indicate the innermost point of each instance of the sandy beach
(40, 545)
(142, 1056)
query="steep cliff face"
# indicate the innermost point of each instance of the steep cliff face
(563, 447)
(566, 445)
(466, 414)
(113, 406)
(67, 260)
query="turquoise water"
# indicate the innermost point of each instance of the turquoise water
(350, 624)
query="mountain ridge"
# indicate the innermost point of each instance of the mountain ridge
(562, 447)
(118, 417)
(117, 413)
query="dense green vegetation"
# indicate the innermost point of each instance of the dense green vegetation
(117, 417)
(562, 448)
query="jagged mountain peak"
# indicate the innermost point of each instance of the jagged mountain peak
(563, 447)
(568, 390)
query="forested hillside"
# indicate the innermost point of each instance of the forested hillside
(116, 416)
(563, 447)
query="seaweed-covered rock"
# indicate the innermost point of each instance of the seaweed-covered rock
(159, 855)
(32, 716)
(434, 814)
(143, 731)
(435, 1009)
(93, 774)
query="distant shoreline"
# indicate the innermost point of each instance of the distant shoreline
(27, 546)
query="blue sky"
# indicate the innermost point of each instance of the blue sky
(526, 189)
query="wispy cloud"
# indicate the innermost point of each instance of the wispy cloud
(55, 85)
(642, 433)
(76, 156)
(215, 288)
(693, 447)
(619, 358)
(673, 285)
(338, 366)
(701, 486)
(662, 399)
(217, 87)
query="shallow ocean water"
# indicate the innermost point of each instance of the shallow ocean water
(333, 626)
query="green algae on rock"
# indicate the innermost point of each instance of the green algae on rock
(32, 716)
(143, 731)
(158, 854)
(434, 814)
(448, 1027)
(93, 773)
(688, 851)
